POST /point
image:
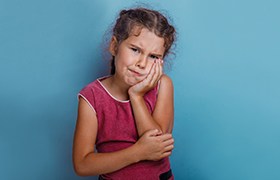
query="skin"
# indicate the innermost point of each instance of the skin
(138, 61)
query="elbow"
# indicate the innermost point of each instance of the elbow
(82, 170)
(82, 166)
(79, 170)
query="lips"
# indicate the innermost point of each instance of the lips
(136, 73)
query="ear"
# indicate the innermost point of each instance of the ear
(113, 46)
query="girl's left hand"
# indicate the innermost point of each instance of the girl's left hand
(149, 82)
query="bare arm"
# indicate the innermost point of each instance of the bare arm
(88, 162)
(163, 115)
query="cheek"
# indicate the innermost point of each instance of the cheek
(124, 60)
(120, 63)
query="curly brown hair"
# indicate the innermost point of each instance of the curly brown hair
(143, 18)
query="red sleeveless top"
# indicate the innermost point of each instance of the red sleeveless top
(117, 130)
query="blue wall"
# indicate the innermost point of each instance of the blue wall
(226, 76)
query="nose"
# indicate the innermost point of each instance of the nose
(142, 62)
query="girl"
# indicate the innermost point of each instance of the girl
(128, 116)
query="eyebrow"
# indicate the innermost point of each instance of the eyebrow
(154, 54)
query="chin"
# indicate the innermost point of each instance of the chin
(132, 82)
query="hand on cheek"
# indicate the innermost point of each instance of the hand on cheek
(150, 81)
(157, 72)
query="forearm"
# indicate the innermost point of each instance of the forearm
(143, 118)
(102, 163)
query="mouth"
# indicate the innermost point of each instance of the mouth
(136, 72)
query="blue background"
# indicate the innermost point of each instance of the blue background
(226, 77)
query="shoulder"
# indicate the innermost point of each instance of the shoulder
(165, 82)
(91, 87)
(88, 93)
(166, 78)
(96, 84)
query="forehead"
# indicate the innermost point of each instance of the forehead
(147, 39)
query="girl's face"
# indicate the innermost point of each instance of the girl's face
(135, 55)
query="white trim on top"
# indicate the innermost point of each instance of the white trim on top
(122, 101)
(87, 102)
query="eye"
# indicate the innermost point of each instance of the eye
(134, 49)
(154, 57)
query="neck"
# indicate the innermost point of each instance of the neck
(119, 88)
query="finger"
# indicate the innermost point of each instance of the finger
(154, 71)
(165, 137)
(169, 148)
(153, 132)
(166, 154)
(153, 75)
(168, 142)
(152, 67)
(159, 71)
(156, 74)
(150, 74)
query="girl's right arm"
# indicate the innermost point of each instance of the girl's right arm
(151, 146)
